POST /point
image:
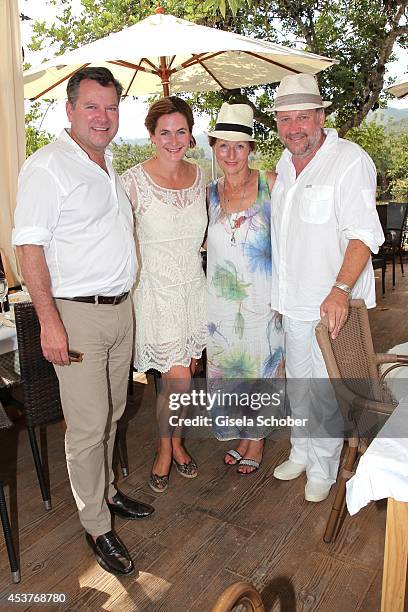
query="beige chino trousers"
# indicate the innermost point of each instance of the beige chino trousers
(93, 396)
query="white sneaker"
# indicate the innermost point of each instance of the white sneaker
(288, 470)
(316, 491)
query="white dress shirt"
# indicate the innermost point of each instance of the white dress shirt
(82, 218)
(313, 218)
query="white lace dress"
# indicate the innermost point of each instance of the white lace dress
(170, 295)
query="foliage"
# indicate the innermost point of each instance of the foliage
(399, 189)
(269, 152)
(222, 5)
(126, 154)
(389, 151)
(359, 33)
(373, 138)
(35, 136)
(398, 171)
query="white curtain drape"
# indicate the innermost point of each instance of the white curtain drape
(12, 146)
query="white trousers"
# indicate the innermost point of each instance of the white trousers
(318, 444)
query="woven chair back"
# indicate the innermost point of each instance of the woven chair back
(396, 215)
(40, 383)
(351, 355)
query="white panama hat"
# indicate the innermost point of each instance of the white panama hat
(298, 92)
(234, 122)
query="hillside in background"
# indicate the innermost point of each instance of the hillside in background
(202, 141)
(396, 119)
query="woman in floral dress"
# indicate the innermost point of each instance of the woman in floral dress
(245, 339)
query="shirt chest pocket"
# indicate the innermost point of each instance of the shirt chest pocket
(317, 204)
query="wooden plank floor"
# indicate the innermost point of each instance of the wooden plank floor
(206, 533)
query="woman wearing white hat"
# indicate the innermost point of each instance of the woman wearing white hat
(245, 336)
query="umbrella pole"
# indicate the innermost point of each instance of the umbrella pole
(165, 76)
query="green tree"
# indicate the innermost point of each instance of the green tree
(35, 136)
(375, 140)
(126, 155)
(389, 151)
(398, 171)
(359, 33)
(268, 152)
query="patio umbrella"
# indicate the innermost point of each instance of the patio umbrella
(12, 150)
(165, 54)
(400, 88)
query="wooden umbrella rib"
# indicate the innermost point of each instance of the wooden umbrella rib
(125, 64)
(131, 83)
(171, 61)
(270, 61)
(196, 57)
(149, 63)
(68, 76)
(212, 75)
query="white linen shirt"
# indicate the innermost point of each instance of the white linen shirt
(82, 218)
(313, 218)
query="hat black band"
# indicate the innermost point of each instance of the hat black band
(233, 127)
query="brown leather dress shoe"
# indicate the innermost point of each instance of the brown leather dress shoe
(111, 553)
(129, 508)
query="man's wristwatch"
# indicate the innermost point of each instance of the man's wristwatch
(343, 287)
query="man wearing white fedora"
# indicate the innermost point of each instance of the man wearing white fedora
(324, 225)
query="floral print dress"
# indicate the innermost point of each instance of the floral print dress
(245, 337)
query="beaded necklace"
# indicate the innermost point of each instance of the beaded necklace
(236, 223)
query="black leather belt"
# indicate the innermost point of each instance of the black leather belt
(98, 299)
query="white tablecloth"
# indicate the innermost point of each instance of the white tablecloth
(383, 469)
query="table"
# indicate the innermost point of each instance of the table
(9, 365)
(383, 473)
(8, 339)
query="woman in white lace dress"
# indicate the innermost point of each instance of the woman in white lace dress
(168, 197)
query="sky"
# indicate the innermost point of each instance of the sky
(133, 112)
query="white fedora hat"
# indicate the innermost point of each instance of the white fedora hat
(298, 92)
(234, 122)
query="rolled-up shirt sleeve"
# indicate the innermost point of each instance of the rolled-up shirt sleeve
(358, 217)
(38, 206)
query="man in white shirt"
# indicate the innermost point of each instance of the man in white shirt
(74, 237)
(324, 225)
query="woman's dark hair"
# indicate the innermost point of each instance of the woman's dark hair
(103, 76)
(252, 145)
(167, 106)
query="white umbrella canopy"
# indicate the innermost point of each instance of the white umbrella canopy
(165, 54)
(400, 88)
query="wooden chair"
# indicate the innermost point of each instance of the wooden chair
(394, 235)
(42, 403)
(239, 594)
(362, 395)
(5, 423)
(380, 261)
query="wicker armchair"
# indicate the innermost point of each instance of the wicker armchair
(42, 404)
(394, 234)
(362, 395)
(5, 423)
